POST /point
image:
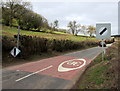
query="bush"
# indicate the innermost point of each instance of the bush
(8, 43)
(35, 45)
(108, 41)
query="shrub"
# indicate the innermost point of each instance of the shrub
(8, 43)
(35, 45)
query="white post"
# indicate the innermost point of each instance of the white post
(102, 50)
(18, 36)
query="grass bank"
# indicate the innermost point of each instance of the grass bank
(10, 32)
(102, 74)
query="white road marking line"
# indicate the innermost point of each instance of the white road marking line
(33, 73)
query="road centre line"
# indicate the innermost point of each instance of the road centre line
(33, 73)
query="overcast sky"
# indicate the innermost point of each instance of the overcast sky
(85, 13)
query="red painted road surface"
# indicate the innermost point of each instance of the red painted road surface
(64, 67)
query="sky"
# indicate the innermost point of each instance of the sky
(85, 13)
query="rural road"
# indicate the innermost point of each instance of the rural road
(60, 72)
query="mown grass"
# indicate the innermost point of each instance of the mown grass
(56, 32)
(7, 31)
(13, 31)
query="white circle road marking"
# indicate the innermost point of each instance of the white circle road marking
(64, 69)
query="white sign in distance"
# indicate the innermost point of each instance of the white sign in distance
(103, 30)
(102, 42)
(73, 64)
(15, 51)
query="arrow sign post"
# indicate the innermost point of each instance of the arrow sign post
(15, 51)
(103, 31)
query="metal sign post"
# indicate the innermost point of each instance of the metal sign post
(103, 31)
(18, 36)
(15, 51)
(102, 50)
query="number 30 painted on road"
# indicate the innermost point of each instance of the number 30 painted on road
(71, 65)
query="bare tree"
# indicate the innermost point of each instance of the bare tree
(70, 25)
(78, 29)
(91, 30)
(83, 29)
(74, 27)
(55, 24)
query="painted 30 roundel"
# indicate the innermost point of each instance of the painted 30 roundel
(71, 65)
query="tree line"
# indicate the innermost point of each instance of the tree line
(75, 28)
(19, 13)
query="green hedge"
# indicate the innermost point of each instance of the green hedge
(35, 45)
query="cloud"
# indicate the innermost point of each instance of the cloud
(80, 19)
(76, 18)
(84, 13)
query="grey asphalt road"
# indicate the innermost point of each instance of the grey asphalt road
(47, 79)
(88, 53)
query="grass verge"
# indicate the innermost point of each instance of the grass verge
(102, 74)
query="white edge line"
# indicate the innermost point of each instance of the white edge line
(33, 73)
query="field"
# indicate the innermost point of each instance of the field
(7, 31)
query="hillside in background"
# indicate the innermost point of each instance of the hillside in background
(10, 32)
(17, 13)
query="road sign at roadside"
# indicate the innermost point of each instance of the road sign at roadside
(102, 43)
(103, 30)
(15, 51)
